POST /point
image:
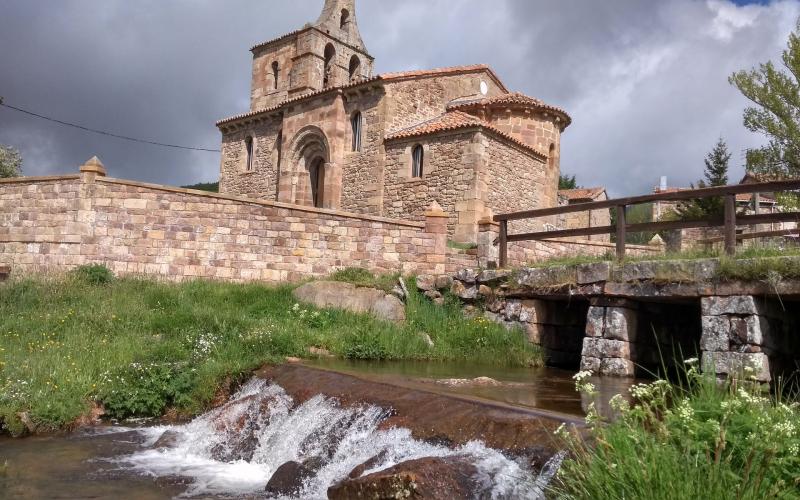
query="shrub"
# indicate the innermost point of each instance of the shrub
(94, 274)
(146, 389)
(365, 345)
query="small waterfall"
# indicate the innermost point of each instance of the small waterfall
(232, 451)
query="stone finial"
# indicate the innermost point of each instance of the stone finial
(94, 165)
(435, 210)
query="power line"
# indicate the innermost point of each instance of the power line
(101, 132)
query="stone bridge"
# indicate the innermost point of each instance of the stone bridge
(645, 317)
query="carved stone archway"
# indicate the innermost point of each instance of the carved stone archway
(310, 179)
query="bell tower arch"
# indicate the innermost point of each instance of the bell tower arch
(338, 18)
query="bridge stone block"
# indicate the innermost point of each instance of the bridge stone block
(617, 367)
(605, 348)
(737, 304)
(755, 365)
(716, 334)
(620, 324)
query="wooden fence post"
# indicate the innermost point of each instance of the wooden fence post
(503, 244)
(621, 223)
(730, 224)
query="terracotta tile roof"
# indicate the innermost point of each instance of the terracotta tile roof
(449, 121)
(512, 99)
(582, 193)
(455, 120)
(657, 190)
(287, 35)
(748, 197)
(385, 77)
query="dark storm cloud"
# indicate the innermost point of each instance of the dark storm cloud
(646, 82)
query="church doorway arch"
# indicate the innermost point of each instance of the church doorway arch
(316, 173)
(313, 175)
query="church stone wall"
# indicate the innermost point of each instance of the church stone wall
(263, 93)
(537, 130)
(362, 173)
(262, 181)
(416, 100)
(448, 176)
(516, 180)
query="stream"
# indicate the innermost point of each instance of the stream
(234, 450)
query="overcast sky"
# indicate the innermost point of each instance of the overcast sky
(644, 81)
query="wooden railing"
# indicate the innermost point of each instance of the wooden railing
(621, 228)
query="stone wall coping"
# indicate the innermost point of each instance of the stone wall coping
(263, 203)
(41, 178)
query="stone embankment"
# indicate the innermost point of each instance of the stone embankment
(622, 320)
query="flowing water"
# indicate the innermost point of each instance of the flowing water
(232, 451)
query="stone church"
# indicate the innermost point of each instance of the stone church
(324, 131)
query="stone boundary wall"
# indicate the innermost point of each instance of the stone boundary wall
(58, 223)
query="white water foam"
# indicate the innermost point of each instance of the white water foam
(234, 450)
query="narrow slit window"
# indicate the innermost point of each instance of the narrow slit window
(418, 161)
(275, 75)
(355, 124)
(248, 145)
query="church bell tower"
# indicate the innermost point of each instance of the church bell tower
(328, 53)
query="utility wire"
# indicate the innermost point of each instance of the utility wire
(101, 132)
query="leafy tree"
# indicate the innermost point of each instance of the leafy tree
(776, 94)
(716, 174)
(567, 182)
(10, 162)
(635, 214)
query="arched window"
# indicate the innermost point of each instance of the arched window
(248, 146)
(330, 55)
(355, 126)
(344, 19)
(551, 156)
(417, 161)
(355, 68)
(275, 74)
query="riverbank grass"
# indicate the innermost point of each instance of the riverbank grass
(691, 440)
(141, 347)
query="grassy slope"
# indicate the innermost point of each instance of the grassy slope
(141, 347)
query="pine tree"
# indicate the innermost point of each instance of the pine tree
(10, 162)
(567, 182)
(716, 174)
(776, 114)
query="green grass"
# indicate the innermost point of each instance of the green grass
(363, 278)
(691, 440)
(461, 246)
(142, 347)
(754, 263)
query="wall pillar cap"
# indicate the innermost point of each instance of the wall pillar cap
(94, 165)
(435, 210)
(488, 221)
